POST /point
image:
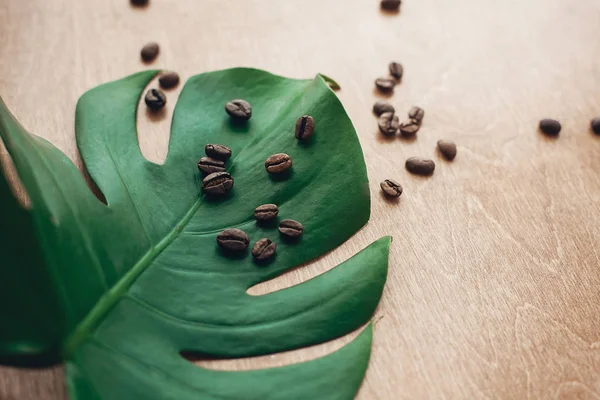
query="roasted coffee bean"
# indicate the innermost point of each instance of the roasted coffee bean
(168, 79)
(217, 183)
(382, 107)
(263, 249)
(305, 127)
(150, 52)
(210, 165)
(155, 99)
(239, 109)
(396, 70)
(385, 84)
(218, 151)
(447, 148)
(291, 228)
(391, 188)
(390, 5)
(139, 2)
(596, 125)
(420, 166)
(416, 113)
(266, 212)
(409, 128)
(388, 124)
(278, 163)
(550, 127)
(233, 240)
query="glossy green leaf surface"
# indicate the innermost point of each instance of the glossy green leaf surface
(127, 287)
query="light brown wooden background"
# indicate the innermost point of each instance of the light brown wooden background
(494, 282)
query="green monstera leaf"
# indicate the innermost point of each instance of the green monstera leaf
(119, 291)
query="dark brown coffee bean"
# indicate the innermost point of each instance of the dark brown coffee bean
(385, 84)
(596, 125)
(420, 166)
(239, 109)
(391, 188)
(210, 165)
(218, 151)
(388, 124)
(168, 79)
(416, 113)
(291, 228)
(266, 212)
(217, 184)
(278, 163)
(409, 128)
(396, 69)
(390, 5)
(305, 126)
(233, 240)
(150, 52)
(139, 2)
(155, 99)
(447, 148)
(263, 249)
(550, 127)
(382, 107)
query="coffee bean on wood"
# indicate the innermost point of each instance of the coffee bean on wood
(210, 165)
(233, 240)
(550, 127)
(390, 5)
(266, 212)
(385, 84)
(420, 166)
(596, 125)
(150, 52)
(447, 148)
(218, 151)
(278, 163)
(391, 188)
(416, 113)
(291, 228)
(155, 99)
(409, 128)
(263, 249)
(239, 109)
(168, 79)
(217, 184)
(396, 70)
(381, 107)
(388, 124)
(305, 127)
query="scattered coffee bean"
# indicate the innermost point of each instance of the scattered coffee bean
(396, 70)
(391, 188)
(596, 125)
(217, 184)
(390, 5)
(233, 240)
(218, 151)
(278, 163)
(416, 113)
(382, 107)
(150, 52)
(139, 2)
(420, 166)
(305, 127)
(291, 228)
(385, 84)
(550, 127)
(210, 165)
(266, 212)
(239, 109)
(168, 79)
(447, 148)
(263, 249)
(409, 128)
(388, 124)
(155, 99)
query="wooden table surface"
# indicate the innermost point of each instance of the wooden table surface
(494, 282)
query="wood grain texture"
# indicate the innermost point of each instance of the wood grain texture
(494, 280)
